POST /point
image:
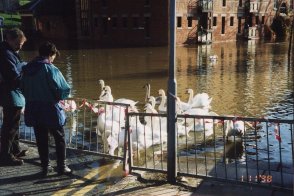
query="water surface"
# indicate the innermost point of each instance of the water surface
(251, 79)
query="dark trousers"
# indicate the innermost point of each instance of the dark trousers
(42, 137)
(9, 131)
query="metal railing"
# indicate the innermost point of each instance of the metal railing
(246, 150)
(91, 126)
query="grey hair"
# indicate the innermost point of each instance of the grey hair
(14, 33)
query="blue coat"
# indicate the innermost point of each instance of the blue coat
(43, 86)
(10, 69)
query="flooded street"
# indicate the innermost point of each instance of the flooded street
(248, 79)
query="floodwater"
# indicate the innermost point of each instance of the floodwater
(251, 79)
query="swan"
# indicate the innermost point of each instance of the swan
(142, 137)
(155, 134)
(200, 124)
(126, 101)
(190, 92)
(115, 141)
(151, 121)
(234, 128)
(107, 96)
(152, 101)
(201, 100)
(102, 85)
(182, 106)
(162, 105)
(148, 88)
(107, 126)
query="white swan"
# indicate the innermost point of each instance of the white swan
(148, 88)
(182, 106)
(126, 101)
(102, 84)
(190, 92)
(152, 101)
(200, 124)
(201, 100)
(107, 96)
(155, 134)
(234, 128)
(142, 137)
(162, 105)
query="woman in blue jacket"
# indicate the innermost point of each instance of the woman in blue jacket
(43, 86)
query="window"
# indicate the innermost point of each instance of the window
(231, 21)
(240, 3)
(214, 22)
(135, 22)
(84, 17)
(189, 18)
(239, 24)
(223, 24)
(125, 22)
(179, 22)
(224, 3)
(114, 21)
(262, 20)
(257, 19)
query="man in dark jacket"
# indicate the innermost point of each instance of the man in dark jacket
(43, 86)
(11, 98)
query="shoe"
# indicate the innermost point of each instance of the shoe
(11, 161)
(64, 170)
(47, 170)
(21, 153)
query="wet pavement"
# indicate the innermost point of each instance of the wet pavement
(94, 175)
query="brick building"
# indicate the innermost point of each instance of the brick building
(145, 22)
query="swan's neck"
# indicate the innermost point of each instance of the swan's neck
(190, 100)
(163, 101)
(147, 93)
(102, 84)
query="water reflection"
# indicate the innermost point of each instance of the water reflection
(247, 79)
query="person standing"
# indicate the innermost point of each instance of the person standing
(43, 86)
(11, 98)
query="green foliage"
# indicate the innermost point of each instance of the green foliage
(23, 2)
(11, 19)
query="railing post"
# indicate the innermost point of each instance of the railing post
(128, 158)
(171, 106)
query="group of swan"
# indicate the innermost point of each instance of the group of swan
(111, 119)
(196, 105)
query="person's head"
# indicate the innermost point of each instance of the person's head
(48, 50)
(15, 38)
